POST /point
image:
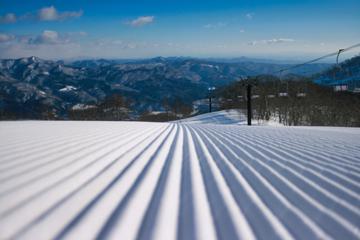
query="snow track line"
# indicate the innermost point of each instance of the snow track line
(186, 216)
(149, 220)
(64, 180)
(41, 160)
(315, 153)
(64, 151)
(49, 162)
(205, 226)
(327, 155)
(259, 182)
(308, 148)
(85, 211)
(34, 145)
(48, 173)
(68, 141)
(19, 139)
(304, 169)
(300, 177)
(125, 215)
(218, 194)
(310, 200)
(304, 155)
(16, 206)
(98, 174)
(237, 216)
(183, 180)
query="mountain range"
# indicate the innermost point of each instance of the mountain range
(30, 85)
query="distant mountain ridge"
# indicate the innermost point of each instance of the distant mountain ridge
(29, 85)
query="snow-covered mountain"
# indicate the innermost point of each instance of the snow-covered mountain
(29, 86)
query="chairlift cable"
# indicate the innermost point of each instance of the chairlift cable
(337, 53)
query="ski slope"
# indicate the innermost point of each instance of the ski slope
(185, 180)
(231, 116)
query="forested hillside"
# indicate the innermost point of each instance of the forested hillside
(346, 73)
(295, 101)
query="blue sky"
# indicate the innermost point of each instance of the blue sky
(137, 29)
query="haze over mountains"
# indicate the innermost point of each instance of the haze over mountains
(30, 84)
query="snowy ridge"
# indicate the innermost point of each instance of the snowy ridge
(136, 180)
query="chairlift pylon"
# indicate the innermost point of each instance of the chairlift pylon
(337, 57)
(337, 66)
(281, 91)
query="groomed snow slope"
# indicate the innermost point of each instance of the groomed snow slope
(134, 180)
(231, 116)
(220, 117)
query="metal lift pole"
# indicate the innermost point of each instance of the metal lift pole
(337, 57)
(249, 110)
(210, 103)
(211, 89)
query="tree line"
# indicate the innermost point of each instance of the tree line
(173, 109)
(118, 108)
(294, 101)
(113, 108)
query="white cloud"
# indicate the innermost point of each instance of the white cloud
(48, 44)
(215, 25)
(51, 14)
(279, 40)
(116, 44)
(44, 14)
(8, 18)
(6, 37)
(49, 37)
(242, 30)
(249, 16)
(48, 14)
(273, 41)
(130, 46)
(141, 21)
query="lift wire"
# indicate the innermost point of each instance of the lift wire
(249, 84)
(337, 53)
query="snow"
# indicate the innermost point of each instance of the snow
(209, 66)
(42, 93)
(231, 116)
(67, 88)
(219, 117)
(156, 112)
(207, 177)
(81, 106)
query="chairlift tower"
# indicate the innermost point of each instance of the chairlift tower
(249, 110)
(338, 54)
(249, 83)
(210, 89)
